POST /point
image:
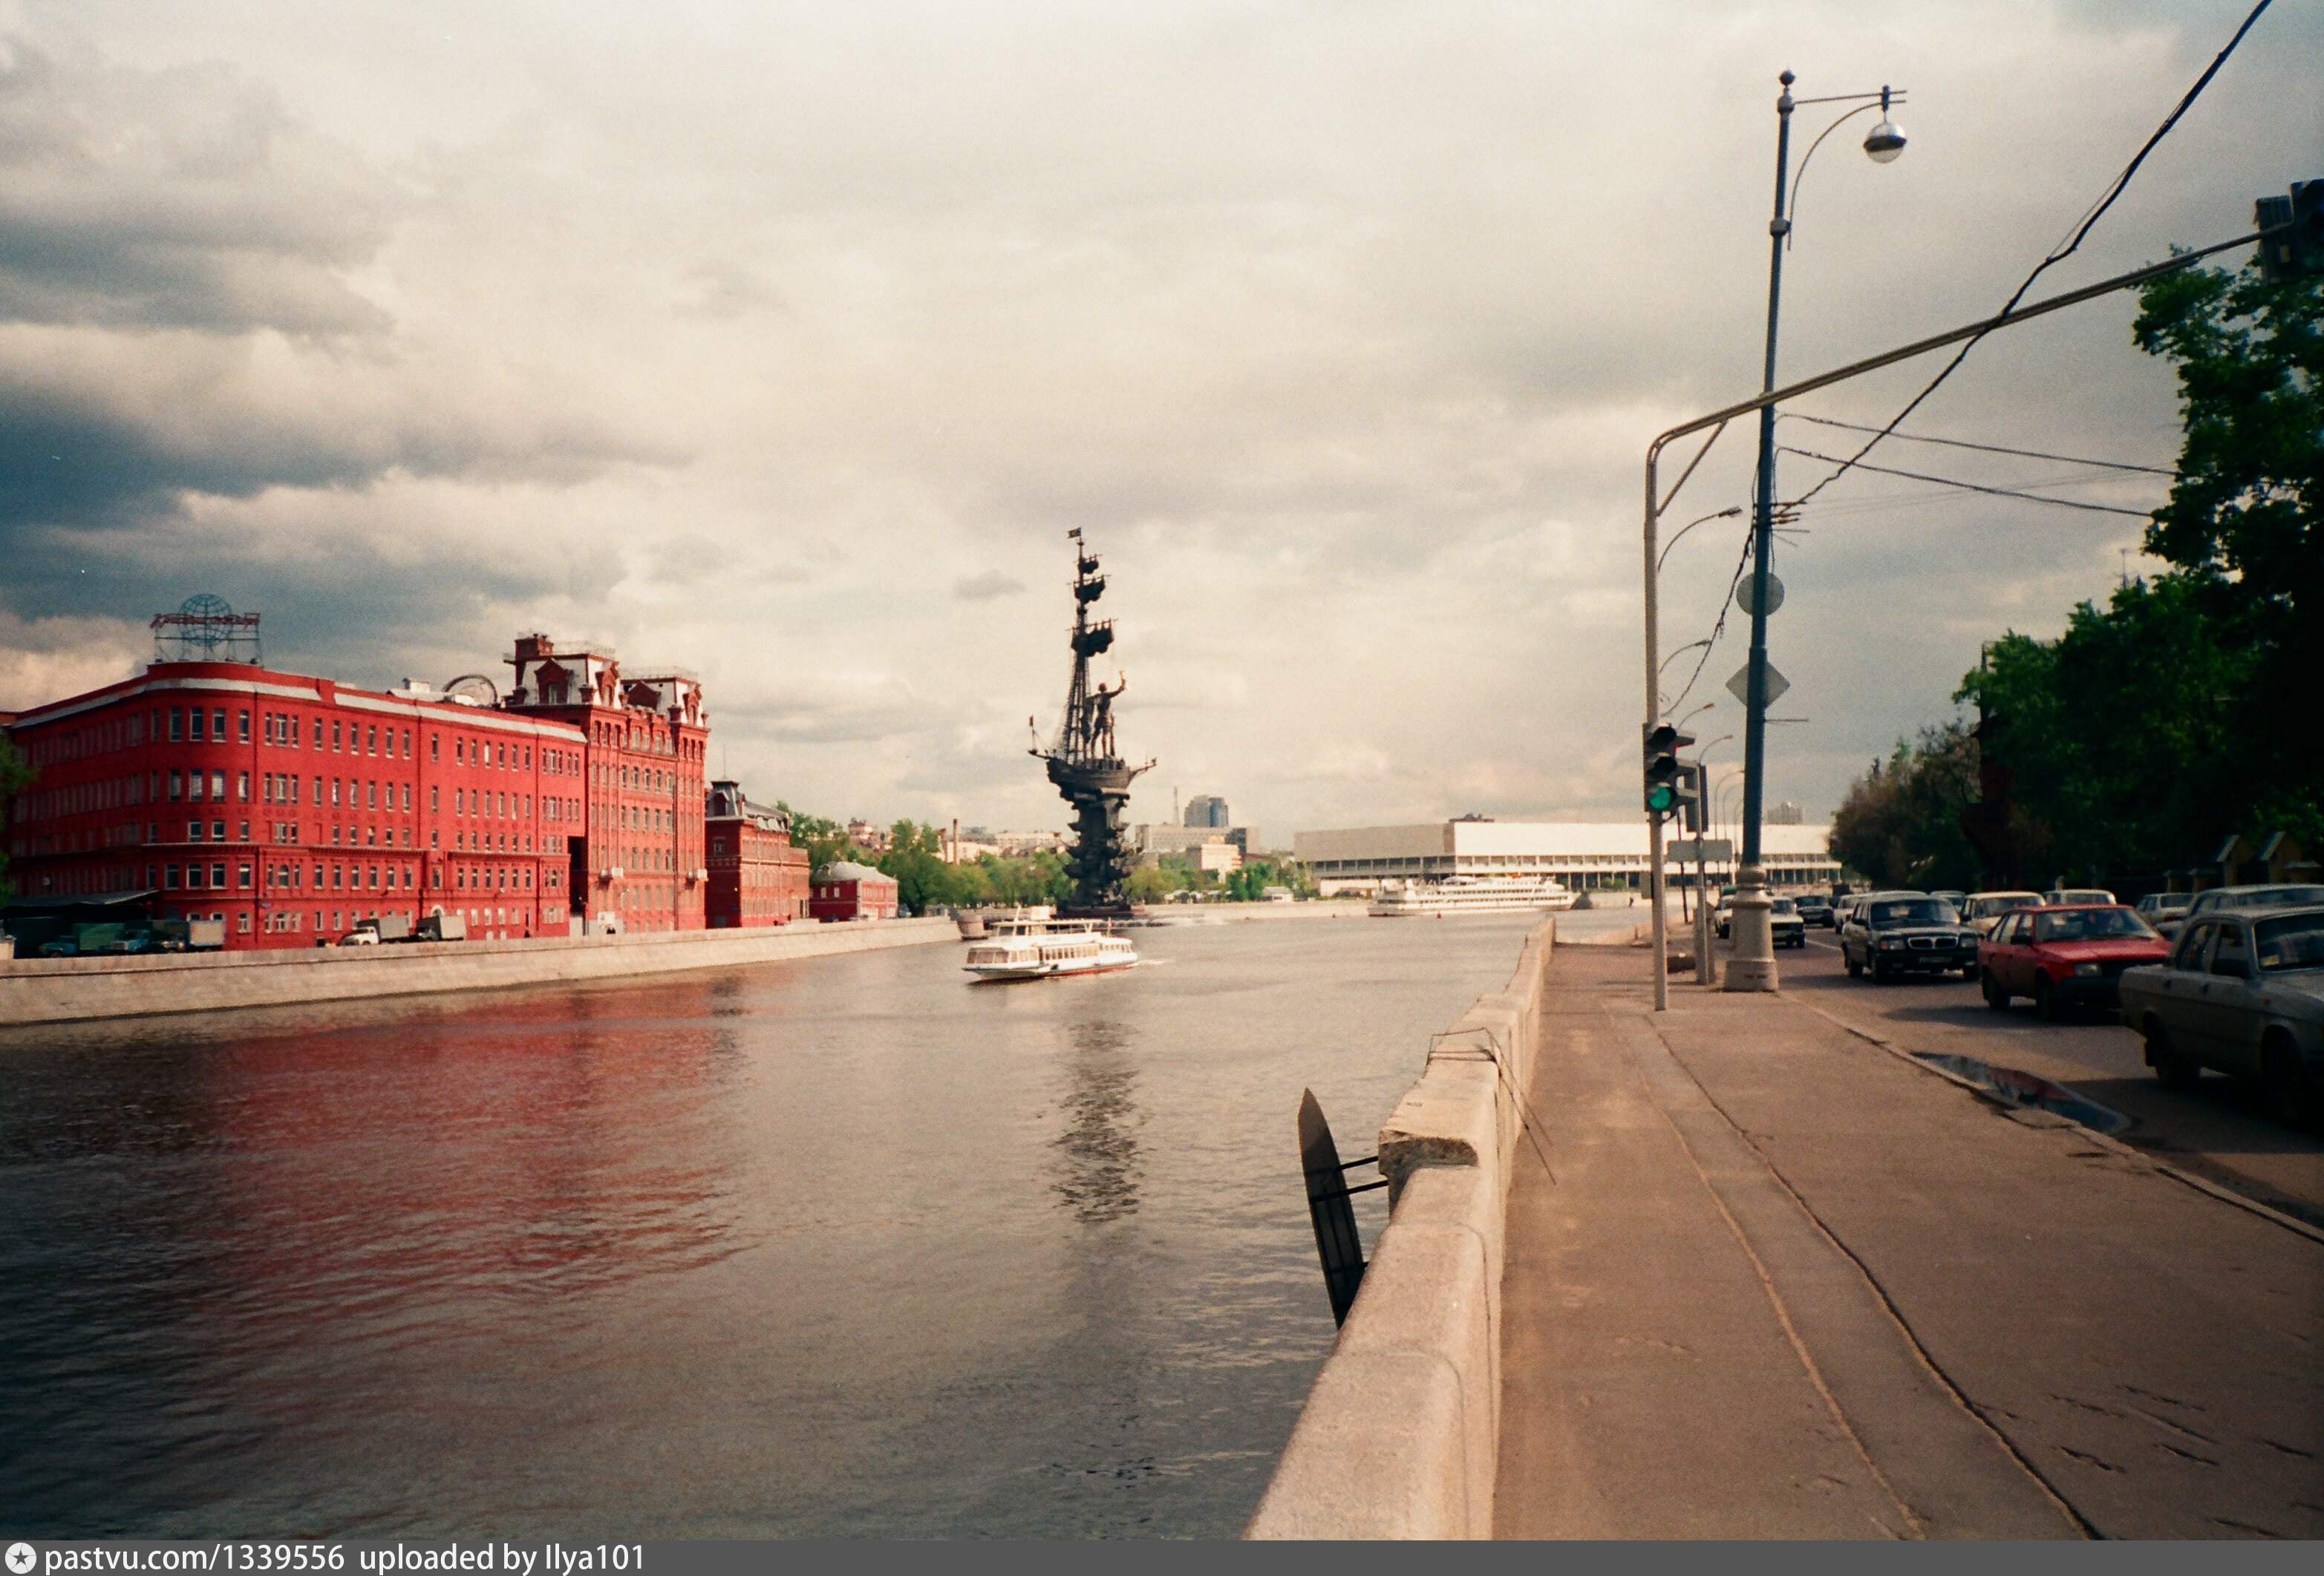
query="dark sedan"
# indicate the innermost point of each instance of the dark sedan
(1905, 933)
(2065, 958)
(1814, 908)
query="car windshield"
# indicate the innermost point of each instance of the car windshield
(1784, 906)
(2090, 924)
(1912, 911)
(2296, 943)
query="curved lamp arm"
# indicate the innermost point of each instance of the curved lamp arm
(1690, 525)
(1801, 174)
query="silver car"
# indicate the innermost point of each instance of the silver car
(2278, 896)
(2242, 993)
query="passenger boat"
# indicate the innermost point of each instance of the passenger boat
(1047, 949)
(1469, 895)
(976, 923)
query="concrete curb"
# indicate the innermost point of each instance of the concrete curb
(1400, 1436)
(75, 989)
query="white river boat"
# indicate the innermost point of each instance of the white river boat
(1469, 895)
(1047, 949)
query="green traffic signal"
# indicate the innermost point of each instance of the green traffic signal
(1661, 796)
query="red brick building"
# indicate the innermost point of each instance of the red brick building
(637, 859)
(756, 877)
(289, 806)
(844, 889)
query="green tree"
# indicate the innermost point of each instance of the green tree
(16, 775)
(2245, 525)
(1901, 825)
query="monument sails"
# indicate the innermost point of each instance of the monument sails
(1082, 761)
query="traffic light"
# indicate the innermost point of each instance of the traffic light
(2298, 251)
(1664, 774)
(1690, 795)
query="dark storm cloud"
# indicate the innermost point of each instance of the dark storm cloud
(179, 198)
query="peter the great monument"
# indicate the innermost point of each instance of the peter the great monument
(1084, 763)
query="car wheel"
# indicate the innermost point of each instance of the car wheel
(1855, 969)
(2171, 1070)
(1878, 970)
(1995, 996)
(2291, 1097)
(2046, 999)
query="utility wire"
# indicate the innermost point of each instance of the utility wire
(1977, 487)
(2029, 454)
(2058, 253)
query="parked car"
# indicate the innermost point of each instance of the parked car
(2078, 897)
(1955, 898)
(1984, 908)
(1723, 918)
(1814, 909)
(2282, 896)
(2159, 908)
(1784, 924)
(360, 937)
(1895, 933)
(2242, 993)
(2064, 957)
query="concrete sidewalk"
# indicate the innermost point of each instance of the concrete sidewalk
(1784, 1283)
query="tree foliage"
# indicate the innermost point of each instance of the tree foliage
(2184, 710)
(1900, 826)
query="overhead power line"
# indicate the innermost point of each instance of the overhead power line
(2058, 253)
(1978, 487)
(2029, 454)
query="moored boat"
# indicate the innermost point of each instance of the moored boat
(1470, 895)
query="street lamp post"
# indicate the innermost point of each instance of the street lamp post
(1751, 965)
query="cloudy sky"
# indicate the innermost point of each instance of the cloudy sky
(785, 342)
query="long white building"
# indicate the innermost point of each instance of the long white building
(1586, 855)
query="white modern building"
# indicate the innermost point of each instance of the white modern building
(1585, 855)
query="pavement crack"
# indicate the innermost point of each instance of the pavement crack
(2088, 1459)
(2166, 1400)
(2086, 1405)
(2247, 1526)
(2289, 1449)
(2174, 1427)
(2184, 1454)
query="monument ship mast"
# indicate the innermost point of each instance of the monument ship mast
(1084, 763)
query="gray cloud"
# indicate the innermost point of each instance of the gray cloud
(1342, 330)
(182, 198)
(986, 586)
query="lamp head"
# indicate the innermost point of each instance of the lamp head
(1885, 141)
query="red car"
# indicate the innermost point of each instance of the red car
(2071, 955)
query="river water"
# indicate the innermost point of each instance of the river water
(834, 1248)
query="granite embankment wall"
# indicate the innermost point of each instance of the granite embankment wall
(1400, 1436)
(71, 989)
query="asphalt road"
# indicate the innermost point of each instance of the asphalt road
(2217, 1130)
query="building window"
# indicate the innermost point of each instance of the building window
(244, 873)
(244, 787)
(170, 876)
(371, 741)
(195, 719)
(435, 746)
(242, 728)
(177, 786)
(218, 724)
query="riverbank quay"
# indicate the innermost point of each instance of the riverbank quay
(77, 989)
(1788, 1283)
(1398, 1436)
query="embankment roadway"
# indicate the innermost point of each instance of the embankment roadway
(1774, 1280)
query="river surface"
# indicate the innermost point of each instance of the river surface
(841, 1247)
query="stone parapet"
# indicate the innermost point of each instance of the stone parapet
(1400, 1437)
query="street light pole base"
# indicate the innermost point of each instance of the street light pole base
(1751, 966)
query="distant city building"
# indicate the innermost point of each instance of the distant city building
(1216, 859)
(1585, 855)
(867, 837)
(1153, 842)
(757, 878)
(844, 890)
(1207, 810)
(1787, 814)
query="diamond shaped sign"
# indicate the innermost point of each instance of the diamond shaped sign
(1740, 687)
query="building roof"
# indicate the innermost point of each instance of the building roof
(847, 869)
